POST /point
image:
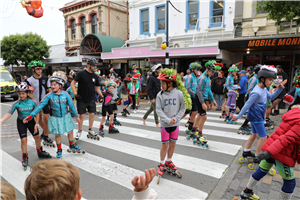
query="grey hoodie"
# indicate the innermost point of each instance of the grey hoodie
(115, 93)
(170, 105)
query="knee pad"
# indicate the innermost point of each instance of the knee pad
(125, 103)
(288, 185)
(259, 173)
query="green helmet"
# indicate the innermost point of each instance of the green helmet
(234, 67)
(34, 64)
(195, 65)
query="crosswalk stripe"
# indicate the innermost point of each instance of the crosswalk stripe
(208, 113)
(207, 167)
(216, 146)
(206, 131)
(209, 118)
(122, 175)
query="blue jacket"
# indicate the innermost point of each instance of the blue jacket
(24, 107)
(59, 104)
(257, 104)
(191, 84)
(243, 84)
(204, 88)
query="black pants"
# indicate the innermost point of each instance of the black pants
(133, 101)
(240, 101)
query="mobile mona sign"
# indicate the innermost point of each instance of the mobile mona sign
(274, 42)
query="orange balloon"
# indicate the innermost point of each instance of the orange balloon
(36, 4)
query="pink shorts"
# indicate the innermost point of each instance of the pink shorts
(169, 133)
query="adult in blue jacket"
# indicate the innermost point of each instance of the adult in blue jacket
(243, 84)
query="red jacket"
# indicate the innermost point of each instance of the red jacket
(284, 143)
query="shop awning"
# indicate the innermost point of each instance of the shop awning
(277, 43)
(93, 44)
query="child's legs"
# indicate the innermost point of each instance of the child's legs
(111, 118)
(202, 121)
(58, 138)
(260, 143)
(133, 101)
(259, 128)
(163, 150)
(125, 103)
(173, 139)
(37, 141)
(30, 125)
(193, 115)
(70, 136)
(288, 175)
(165, 138)
(268, 112)
(104, 112)
(24, 145)
(171, 149)
(103, 120)
(224, 104)
(22, 129)
(45, 122)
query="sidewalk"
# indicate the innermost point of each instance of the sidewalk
(236, 178)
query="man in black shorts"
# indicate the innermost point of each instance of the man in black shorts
(87, 84)
(41, 86)
(281, 95)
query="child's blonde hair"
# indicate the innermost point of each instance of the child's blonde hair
(52, 179)
(8, 192)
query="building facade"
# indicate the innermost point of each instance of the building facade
(258, 41)
(193, 33)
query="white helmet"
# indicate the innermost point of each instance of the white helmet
(155, 67)
(58, 77)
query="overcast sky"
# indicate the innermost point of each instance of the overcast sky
(14, 19)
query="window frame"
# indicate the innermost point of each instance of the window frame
(156, 19)
(83, 28)
(141, 22)
(73, 22)
(211, 9)
(94, 23)
(188, 27)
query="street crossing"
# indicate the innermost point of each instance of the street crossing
(109, 164)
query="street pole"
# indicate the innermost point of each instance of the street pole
(167, 34)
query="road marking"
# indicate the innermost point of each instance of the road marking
(206, 167)
(208, 113)
(5, 104)
(205, 131)
(216, 146)
(122, 175)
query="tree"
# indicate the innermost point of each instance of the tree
(21, 49)
(279, 10)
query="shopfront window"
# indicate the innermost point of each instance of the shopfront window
(192, 13)
(216, 13)
(144, 18)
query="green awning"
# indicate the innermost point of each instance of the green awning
(93, 44)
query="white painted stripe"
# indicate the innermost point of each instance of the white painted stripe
(197, 165)
(208, 113)
(122, 175)
(216, 146)
(205, 131)
(5, 104)
(209, 118)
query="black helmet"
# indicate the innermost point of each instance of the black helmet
(92, 61)
(257, 67)
(267, 71)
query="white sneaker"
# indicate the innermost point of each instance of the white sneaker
(134, 112)
(78, 135)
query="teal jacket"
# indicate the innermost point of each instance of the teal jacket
(191, 84)
(204, 89)
(24, 107)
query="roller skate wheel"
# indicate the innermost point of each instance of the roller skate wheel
(188, 137)
(250, 160)
(251, 166)
(83, 152)
(195, 142)
(241, 160)
(78, 151)
(44, 143)
(54, 145)
(272, 171)
(238, 132)
(73, 150)
(198, 143)
(95, 138)
(204, 137)
(88, 136)
(69, 151)
(98, 138)
(158, 180)
(25, 168)
(179, 174)
(207, 146)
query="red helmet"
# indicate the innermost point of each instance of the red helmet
(163, 77)
(135, 76)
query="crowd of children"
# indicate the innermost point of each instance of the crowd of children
(175, 100)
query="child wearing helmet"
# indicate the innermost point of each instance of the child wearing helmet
(134, 88)
(231, 102)
(107, 108)
(191, 85)
(171, 103)
(256, 105)
(41, 85)
(125, 94)
(60, 120)
(24, 106)
(114, 104)
(204, 93)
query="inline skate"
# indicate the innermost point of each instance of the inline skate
(187, 123)
(273, 123)
(25, 161)
(117, 122)
(98, 112)
(224, 115)
(168, 167)
(75, 149)
(92, 135)
(231, 120)
(201, 141)
(244, 130)
(268, 126)
(113, 130)
(59, 153)
(194, 135)
(43, 154)
(247, 155)
(47, 141)
(78, 135)
(248, 196)
(101, 131)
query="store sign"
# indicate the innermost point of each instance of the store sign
(274, 42)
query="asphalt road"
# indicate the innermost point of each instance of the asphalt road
(109, 164)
